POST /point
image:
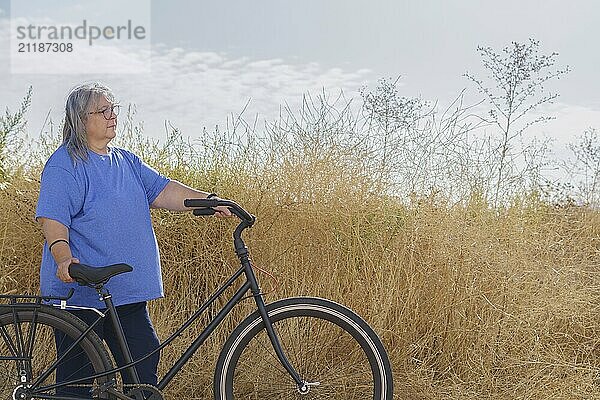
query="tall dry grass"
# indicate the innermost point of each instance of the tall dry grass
(471, 301)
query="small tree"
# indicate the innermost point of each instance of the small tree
(585, 168)
(417, 147)
(10, 125)
(392, 125)
(514, 88)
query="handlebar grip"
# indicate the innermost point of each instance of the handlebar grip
(203, 204)
(203, 211)
(212, 202)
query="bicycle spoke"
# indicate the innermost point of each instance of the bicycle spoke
(329, 346)
(33, 338)
(318, 350)
(264, 343)
(8, 341)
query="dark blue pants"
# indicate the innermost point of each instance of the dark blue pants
(140, 336)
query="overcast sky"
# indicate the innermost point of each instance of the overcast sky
(210, 57)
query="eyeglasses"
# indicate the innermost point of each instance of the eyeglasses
(108, 112)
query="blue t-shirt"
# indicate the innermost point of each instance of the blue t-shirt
(105, 204)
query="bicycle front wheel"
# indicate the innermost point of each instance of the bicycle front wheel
(28, 355)
(330, 346)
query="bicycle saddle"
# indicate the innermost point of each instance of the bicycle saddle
(86, 275)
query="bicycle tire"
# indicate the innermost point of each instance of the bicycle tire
(47, 320)
(324, 341)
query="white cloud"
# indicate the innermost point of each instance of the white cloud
(201, 88)
(192, 89)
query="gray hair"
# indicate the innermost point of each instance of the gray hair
(80, 101)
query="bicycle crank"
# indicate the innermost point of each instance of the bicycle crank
(145, 392)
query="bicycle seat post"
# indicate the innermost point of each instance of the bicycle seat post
(106, 297)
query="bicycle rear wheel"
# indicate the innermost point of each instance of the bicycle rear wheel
(328, 345)
(28, 348)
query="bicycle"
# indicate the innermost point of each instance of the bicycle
(300, 347)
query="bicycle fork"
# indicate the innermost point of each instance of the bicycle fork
(303, 386)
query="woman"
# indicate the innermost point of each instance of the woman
(94, 208)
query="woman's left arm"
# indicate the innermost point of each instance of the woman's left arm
(173, 195)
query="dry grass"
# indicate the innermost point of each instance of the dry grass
(470, 302)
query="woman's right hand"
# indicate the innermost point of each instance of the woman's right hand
(63, 269)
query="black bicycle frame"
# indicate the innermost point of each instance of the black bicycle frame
(251, 284)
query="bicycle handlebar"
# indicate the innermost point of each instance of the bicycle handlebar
(203, 211)
(205, 207)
